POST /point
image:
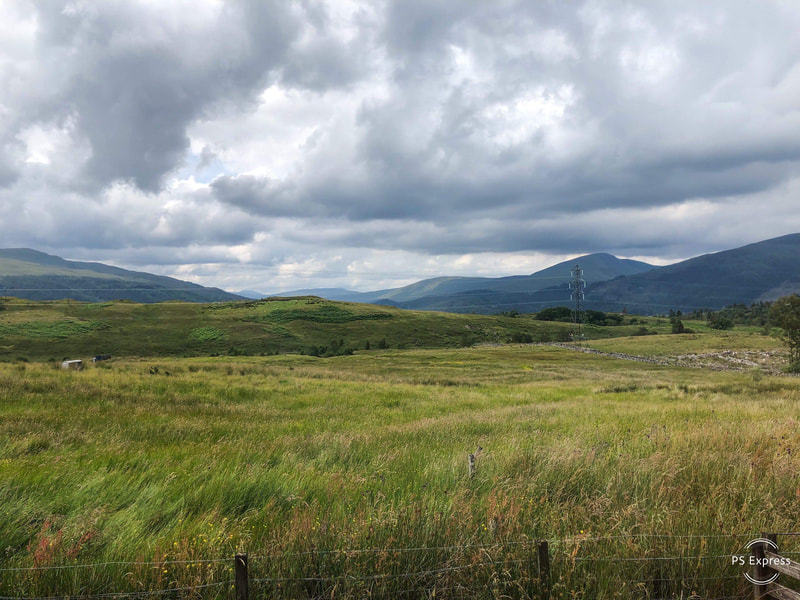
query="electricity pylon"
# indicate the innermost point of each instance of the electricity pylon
(577, 285)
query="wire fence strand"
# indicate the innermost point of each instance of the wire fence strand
(636, 576)
(355, 551)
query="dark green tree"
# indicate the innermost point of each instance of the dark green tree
(785, 313)
(719, 321)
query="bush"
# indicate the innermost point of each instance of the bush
(595, 317)
(718, 321)
(555, 313)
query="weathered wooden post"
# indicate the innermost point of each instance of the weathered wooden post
(757, 571)
(240, 576)
(761, 571)
(471, 465)
(543, 552)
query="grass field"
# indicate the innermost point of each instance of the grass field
(64, 329)
(314, 461)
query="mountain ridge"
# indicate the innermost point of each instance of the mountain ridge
(35, 275)
(759, 271)
(603, 266)
(754, 272)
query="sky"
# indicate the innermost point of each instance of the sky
(274, 145)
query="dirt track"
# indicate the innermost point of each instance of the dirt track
(769, 361)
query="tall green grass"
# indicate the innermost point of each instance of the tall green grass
(347, 476)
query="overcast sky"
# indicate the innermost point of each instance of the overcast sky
(276, 145)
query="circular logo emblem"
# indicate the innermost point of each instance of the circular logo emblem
(762, 562)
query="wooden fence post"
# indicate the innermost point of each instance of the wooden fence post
(471, 465)
(757, 571)
(544, 568)
(761, 572)
(240, 576)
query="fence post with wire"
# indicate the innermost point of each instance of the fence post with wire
(768, 564)
(240, 576)
(628, 565)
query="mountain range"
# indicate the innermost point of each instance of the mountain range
(761, 271)
(757, 272)
(34, 275)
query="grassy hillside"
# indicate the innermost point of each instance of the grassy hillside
(54, 330)
(347, 477)
(26, 273)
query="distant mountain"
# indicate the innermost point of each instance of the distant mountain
(762, 271)
(598, 267)
(487, 294)
(34, 275)
(252, 294)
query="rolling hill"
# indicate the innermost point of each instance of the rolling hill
(308, 325)
(34, 275)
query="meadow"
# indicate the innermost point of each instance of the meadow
(346, 476)
(52, 331)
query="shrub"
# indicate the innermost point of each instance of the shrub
(555, 313)
(718, 321)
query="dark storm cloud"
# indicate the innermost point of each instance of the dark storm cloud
(662, 132)
(135, 82)
(260, 195)
(562, 110)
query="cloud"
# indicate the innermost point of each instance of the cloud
(258, 133)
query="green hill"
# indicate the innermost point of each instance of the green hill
(34, 275)
(307, 325)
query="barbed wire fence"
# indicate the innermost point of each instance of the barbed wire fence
(617, 566)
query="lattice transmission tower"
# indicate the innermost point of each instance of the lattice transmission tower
(577, 285)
